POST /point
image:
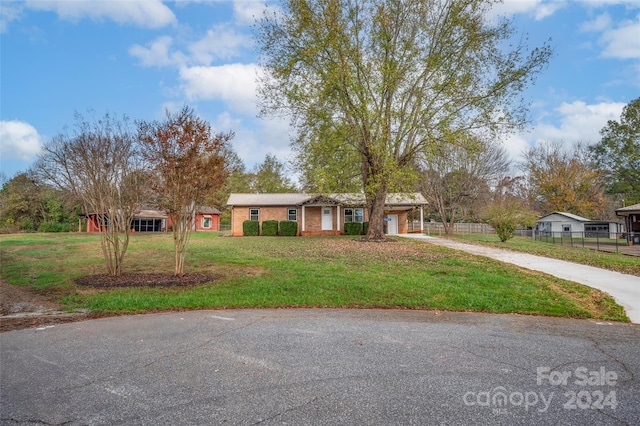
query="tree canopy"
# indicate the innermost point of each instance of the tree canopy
(564, 180)
(186, 162)
(98, 163)
(270, 177)
(378, 81)
(618, 154)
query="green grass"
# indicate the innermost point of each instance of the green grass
(272, 272)
(611, 261)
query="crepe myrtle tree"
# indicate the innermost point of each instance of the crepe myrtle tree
(378, 81)
(98, 162)
(186, 162)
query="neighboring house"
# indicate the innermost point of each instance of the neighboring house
(631, 216)
(570, 225)
(207, 219)
(560, 222)
(319, 214)
(153, 220)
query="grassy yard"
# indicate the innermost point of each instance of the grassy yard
(296, 272)
(612, 261)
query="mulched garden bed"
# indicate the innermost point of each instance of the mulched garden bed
(144, 280)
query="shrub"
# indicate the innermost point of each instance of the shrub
(288, 228)
(505, 218)
(365, 228)
(250, 228)
(27, 224)
(270, 228)
(353, 228)
(50, 226)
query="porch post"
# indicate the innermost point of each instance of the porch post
(422, 219)
(302, 219)
(338, 216)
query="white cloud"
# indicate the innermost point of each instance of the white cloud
(623, 42)
(254, 140)
(579, 121)
(247, 12)
(540, 9)
(157, 53)
(144, 13)
(233, 83)
(601, 23)
(515, 146)
(9, 11)
(220, 42)
(20, 140)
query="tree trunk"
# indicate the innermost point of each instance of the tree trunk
(376, 217)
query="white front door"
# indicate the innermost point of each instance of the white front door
(327, 219)
(392, 225)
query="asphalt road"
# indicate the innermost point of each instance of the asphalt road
(322, 367)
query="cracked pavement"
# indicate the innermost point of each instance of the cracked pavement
(317, 366)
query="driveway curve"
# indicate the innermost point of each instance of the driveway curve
(329, 367)
(625, 289)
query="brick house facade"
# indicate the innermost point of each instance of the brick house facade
(319, 214)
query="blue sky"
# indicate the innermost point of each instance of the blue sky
(141, 57)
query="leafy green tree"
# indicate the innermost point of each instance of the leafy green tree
(618, 154)
(238, 180)
(385, 79)
(26, 203)
(270, 177)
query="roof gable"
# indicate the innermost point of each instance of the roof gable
(568, 215)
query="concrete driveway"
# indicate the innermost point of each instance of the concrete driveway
(329, 367)
(625, 289)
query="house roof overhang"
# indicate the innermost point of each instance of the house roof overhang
(629, 210)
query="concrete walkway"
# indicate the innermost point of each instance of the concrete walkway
(625, 289)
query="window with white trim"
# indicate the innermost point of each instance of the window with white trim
(254, 214)
(206, 222)
(292, 214)
(353, 215)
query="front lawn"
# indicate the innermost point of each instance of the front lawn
(600, 259)
(270, 272)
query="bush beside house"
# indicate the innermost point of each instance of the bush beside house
(270, 228)
(251, 228)
(288, 228)
(353, 228)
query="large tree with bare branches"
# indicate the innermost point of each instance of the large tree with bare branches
(457, 176)
(378, 81)
(187, 163)
(98, 162)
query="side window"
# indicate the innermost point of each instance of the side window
(292, 214)
(348, 215)
(206, 222)
(358, 215)
(254, 214)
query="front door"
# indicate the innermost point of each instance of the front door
(392, 224)
(327, 219)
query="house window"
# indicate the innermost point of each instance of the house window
(292, 214)
(254, 214)
(354, 215)
(206, 222)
